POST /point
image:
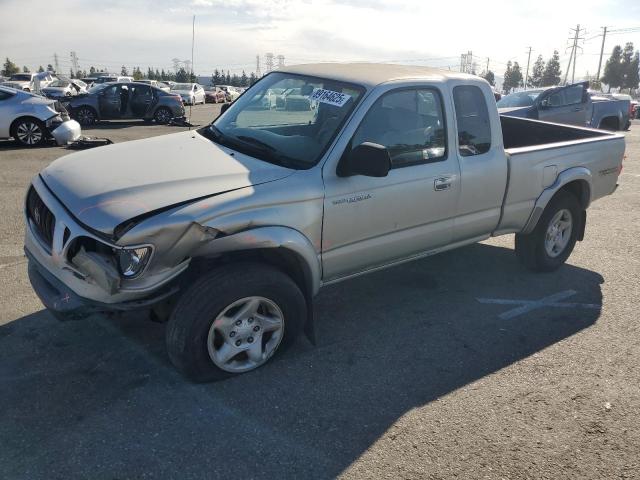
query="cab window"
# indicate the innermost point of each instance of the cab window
(409, 123)
(472, 119)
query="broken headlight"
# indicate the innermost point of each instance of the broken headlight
(131, 261)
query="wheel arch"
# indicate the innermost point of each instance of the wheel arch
(610, 120)
(14, 124)
(576, 181)
(283, 248)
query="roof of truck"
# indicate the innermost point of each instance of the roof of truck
(372, 74)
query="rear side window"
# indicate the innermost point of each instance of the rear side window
(5, 95)
(409, 123)
(472, 117)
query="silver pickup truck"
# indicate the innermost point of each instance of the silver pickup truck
(230, 231)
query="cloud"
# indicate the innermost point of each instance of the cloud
(230, 33)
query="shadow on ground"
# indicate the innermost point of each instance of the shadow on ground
(98, 399)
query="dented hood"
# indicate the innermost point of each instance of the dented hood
(105, 186)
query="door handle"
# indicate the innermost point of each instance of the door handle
(442, 183)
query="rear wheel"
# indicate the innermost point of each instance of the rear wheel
(163, 115)
(234, 320)
(609, 124)
(86, 116)
(552, 241)
(29, 132)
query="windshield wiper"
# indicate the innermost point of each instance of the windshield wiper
(257, 142)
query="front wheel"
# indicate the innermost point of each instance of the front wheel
(234, 320)
(552, 240)
(86, 116)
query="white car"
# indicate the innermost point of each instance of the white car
(233, 93)
(31, 119)
(155, 83)
(30, 82)
(191, 93)
(113, 78)
(63, 87)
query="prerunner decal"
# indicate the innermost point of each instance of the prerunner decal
(328, 96)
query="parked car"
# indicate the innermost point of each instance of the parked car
(31, 119)
(229, 231)
(231, 92)
(570, 104)
(113, 78)
(30, 82)
(109, 101)
(64, 88)
(191, 93)
(155, 83)
(214, 95)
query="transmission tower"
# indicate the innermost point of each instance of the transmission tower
(466, 62)
(268, 60)
(74, 62)
(258, 72)
(280, 61)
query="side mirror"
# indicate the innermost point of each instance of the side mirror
(225, 107)
(368, 159)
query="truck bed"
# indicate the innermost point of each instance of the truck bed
(538, 152)
(523, 132)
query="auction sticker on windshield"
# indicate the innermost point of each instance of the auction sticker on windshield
(329, 96)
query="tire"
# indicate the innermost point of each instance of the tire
(29, 132)
(198, 348)
(610, 124)
(533, 249)
(162, 115)
(86, 116)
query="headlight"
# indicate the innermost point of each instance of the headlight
(131, 261)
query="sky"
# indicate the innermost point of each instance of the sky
(230, 33)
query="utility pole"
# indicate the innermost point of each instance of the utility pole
(487, 71)
(526, 76)
(573, 55)
(604, 36)
(258, 72)
(55, 62)
(74, 62)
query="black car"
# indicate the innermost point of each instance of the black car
(132, 100)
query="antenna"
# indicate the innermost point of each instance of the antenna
(193, 38)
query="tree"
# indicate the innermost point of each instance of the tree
(215, 78)
(9, 68)
(227, 80)
(512, 77)
(552, 72)
(613, 75)
(629, 67)
(253, 78)
(490, 77)
(150, 74)
(49, 68)
(137, 73)
(25, 69)
(124, 71)
(40, 69)
(92, 70)
(535, 80)
(244, 80)
(182, 76)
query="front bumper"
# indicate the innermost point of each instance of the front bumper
(58, 297)
(66, 132)
(54, 277)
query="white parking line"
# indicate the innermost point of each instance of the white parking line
(529, 305)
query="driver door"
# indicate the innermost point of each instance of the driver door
(371, 221)
(569, 105)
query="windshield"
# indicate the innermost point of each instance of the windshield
(519, 99)
(292, 130)
(21, 77)
(181, 86)
(59, 83)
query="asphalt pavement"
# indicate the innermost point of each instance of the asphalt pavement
(462, 365)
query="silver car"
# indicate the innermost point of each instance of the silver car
(191, 93)
(64, 88)
(31, 119)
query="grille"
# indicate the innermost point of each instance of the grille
(42, 218)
